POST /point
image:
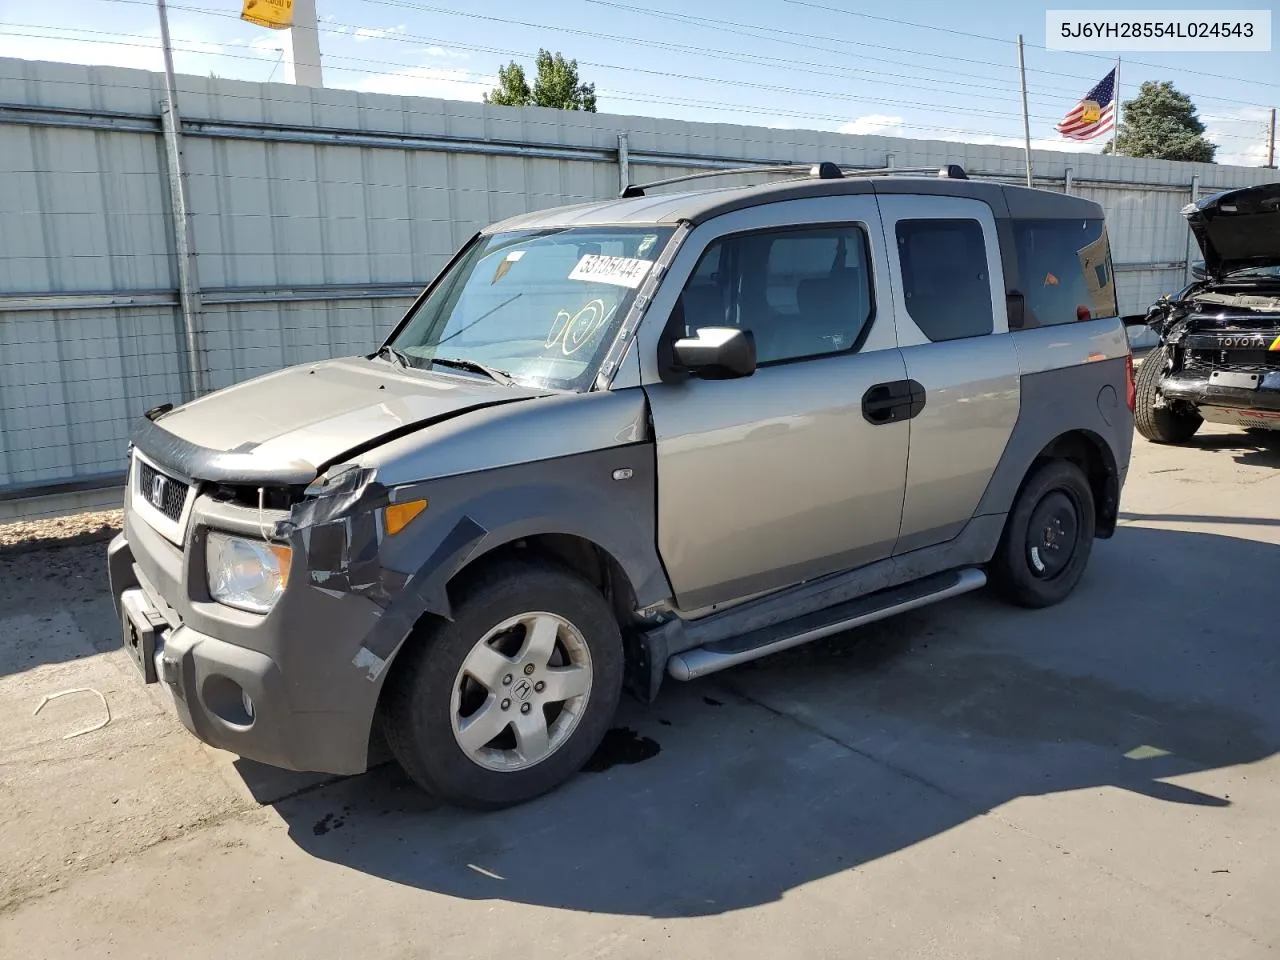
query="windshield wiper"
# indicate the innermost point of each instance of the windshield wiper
(395, 355)
(497, 376)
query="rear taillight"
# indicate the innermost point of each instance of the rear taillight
(1130, 388)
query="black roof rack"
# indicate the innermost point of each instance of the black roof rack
(826, 170)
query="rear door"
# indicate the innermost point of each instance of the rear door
(778, 477)
(949, 297)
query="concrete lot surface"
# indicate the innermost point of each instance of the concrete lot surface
(1097, 780)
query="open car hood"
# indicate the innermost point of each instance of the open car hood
(1237, 229)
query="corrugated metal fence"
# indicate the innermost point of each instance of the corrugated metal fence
(317, 214)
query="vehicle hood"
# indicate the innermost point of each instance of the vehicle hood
(1237, 229)
(295, 422)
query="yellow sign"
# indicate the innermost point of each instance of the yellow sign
(276, 14)
(1090, 110)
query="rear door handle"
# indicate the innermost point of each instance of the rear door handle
(892, 402)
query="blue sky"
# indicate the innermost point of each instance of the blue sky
(811, 64)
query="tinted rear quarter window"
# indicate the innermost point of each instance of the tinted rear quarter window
(1065, 271)
(945, 280)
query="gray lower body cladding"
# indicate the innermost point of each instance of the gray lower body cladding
(315, 665)
(1085, 401)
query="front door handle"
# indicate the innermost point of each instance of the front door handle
(892, 402)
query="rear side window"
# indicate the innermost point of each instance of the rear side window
(945, 279)
(1065, 271)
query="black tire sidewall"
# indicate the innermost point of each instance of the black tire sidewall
(1011, 572)
(424, 740)
(1160, 424)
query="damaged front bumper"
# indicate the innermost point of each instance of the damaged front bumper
(1226, 396)
(280, 687)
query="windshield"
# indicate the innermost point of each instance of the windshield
(541, 307)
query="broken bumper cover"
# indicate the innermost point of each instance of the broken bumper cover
(1199, 389)
(279, 689)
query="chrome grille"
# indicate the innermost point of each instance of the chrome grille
(163, 492)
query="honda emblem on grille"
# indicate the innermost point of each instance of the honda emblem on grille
(157, 492)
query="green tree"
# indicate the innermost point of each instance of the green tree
(557, 85)
(1161, 123)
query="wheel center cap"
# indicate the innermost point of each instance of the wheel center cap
(522, 689)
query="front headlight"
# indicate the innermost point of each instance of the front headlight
(246, 574)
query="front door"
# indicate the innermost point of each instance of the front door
(797, 470)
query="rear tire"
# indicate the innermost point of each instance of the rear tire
(1160, 424)
(1047, 538)
(511, 698)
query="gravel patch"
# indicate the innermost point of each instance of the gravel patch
(91, 526)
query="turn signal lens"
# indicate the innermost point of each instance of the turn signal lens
(399, 515)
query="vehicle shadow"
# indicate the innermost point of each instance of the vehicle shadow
(1258, 448)
(731, 792)
(55, 607)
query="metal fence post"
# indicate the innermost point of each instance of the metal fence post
(1191, 240)
(624, 163)
(1068, 180)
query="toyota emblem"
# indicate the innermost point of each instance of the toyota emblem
(157, 492)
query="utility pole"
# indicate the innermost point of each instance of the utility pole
(188, 278)
(303, 54)
(1026, 121)
(1271, 141)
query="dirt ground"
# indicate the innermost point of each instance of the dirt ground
(1095, 780)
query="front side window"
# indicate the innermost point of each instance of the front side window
(1065, 268)
(945, 280)
(542, 307)
(801, 292)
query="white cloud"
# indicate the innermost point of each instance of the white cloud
(272, 43)
(876, 124)
(371, 33)
(446, 53)
(65, 45)
(443, 82)
(885, 125)
(1241, 136)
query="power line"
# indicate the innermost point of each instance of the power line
(775, 88)
(772, 34)
(329, 26)
(487, 80)
(699, 50)
(752, 59)
(1039, 46)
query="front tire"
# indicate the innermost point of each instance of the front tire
(509, 699)
(1047, 538)
(1160, 424)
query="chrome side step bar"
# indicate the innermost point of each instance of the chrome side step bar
(714, 657)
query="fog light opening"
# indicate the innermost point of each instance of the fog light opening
(227, 700)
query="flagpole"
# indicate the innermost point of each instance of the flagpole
(1115, 115)
(1026, 121)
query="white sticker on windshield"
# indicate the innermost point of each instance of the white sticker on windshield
(619, 271)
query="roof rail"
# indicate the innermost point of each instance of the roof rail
(825, 170)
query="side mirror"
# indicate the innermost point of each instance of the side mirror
(717, 353)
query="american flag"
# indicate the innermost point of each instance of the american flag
(1095, 114)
